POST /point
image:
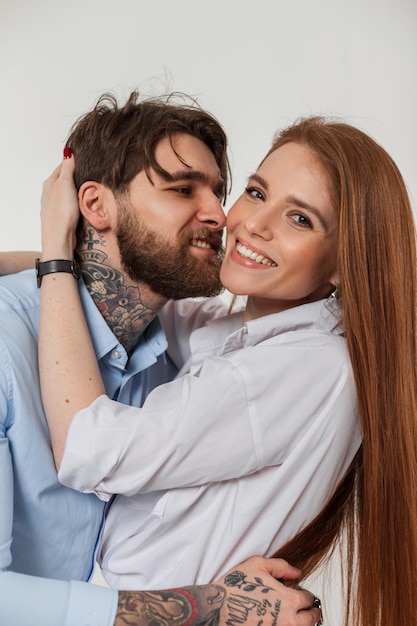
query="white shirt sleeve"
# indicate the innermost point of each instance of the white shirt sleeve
(175, 439)
(237, 415)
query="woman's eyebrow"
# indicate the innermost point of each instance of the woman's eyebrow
(308, 207)
(258, 179)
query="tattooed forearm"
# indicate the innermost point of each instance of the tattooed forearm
(208, 605)
(187, 606)
(158, 609)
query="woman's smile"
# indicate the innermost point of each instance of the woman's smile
(253, 257)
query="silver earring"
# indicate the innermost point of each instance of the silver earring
(332, 298)
(336, 292)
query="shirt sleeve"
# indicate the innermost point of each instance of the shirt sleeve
(6, 472)
(6, 501)
(174, 440)
(30, 601)
(236, 416)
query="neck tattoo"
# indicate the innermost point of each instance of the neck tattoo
(121, 306)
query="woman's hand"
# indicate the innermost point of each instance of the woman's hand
(59, 211)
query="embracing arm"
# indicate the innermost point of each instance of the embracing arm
(66, 387)
(115, 448)
(249, 596)
(65, 390)
(12, 262)
(69, 374)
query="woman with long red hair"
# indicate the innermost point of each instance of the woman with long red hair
(343, 229)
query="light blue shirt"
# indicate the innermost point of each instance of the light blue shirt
(47, 530)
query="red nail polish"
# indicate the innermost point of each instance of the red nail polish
(67, 152)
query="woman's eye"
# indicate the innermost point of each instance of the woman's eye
(255, 193)
(302, 220)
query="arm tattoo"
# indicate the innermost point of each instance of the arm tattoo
(187, 606)
(199, 605)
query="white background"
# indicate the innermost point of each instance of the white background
(255, 64)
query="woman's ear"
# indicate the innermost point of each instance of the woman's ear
(97, 204)
(335, 286)
(334, 278)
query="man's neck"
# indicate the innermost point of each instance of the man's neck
(127, 307)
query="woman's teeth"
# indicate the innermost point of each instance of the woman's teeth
(254, 256)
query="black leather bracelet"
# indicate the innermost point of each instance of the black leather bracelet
(57, 265)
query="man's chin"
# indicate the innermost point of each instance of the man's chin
(205, 287)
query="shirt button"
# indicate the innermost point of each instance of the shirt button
(116, 354)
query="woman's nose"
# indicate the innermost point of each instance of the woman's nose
(259, 224)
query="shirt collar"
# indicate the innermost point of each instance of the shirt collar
(232, 334)
(323, 315)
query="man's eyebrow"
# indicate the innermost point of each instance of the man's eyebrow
(195, 175)
(291, 199)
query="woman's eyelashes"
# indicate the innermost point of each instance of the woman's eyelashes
(255, 193)
(299, 218)
(302, 220)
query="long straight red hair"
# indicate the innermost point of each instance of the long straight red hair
(375, 507)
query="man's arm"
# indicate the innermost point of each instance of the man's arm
(247, 596)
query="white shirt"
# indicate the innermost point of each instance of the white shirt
(227, 461)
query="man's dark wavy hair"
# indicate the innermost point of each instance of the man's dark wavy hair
(113, 143)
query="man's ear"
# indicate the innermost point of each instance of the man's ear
(97, 205)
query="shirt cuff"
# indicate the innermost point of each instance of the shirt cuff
(33, 601)
(91, 605)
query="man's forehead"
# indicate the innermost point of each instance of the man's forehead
(184, 147)
(186, 156)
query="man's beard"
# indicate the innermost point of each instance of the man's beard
(168, 269)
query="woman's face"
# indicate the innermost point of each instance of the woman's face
(282, 234)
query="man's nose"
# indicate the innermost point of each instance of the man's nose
(211, 213)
